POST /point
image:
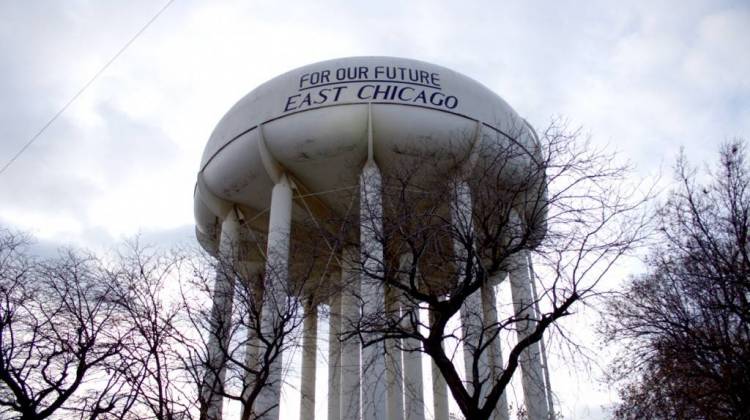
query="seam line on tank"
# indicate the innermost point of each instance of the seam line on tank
(345, 104)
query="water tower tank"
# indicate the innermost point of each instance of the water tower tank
(312, 123)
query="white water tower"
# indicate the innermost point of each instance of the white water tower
(281, 152)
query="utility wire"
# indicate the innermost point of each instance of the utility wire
(83, 89)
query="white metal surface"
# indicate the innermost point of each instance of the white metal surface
(371, 255)
(309, 353)
(334, 358)
(251, 270)
(394, 367)
(221, 316)
(413, 390)
(274, 301)
(489, 309)
(532, 379)
(439, 388)
(350, 348)
(542, 349)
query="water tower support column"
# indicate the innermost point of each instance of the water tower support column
(413, 389)
(274, 298)
(547, 384)
(309, 351)
(371, 254)
(472, 316)
(221, 317)
(439, 387)
(251, 271)
(393, 361)
(412, 355)
(473, 324)
(489, 307)
(532, 378)
(334, 357)
(350, 346)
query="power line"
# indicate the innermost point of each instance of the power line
(83, 89)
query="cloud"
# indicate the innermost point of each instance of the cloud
(83, 159)
(646, 77)
(659, 84)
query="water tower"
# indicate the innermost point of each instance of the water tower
(312, 141)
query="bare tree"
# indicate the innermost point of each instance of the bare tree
(60, 338)
(684, 326)
(144, 284)
(129, 336)
(250, 346)
(449, 232)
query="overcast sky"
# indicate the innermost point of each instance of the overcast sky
(644, 77)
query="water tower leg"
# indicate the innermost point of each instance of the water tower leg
(439, 388)
(251, 272)
(542, 350)
(472, 325)
(274, 298)
(221, 316)
(309, 351)
(413, 388)
(393, 363)
(472, 317)
(532, 378)
(350, 347)
(489, 307)
(334, 357)
(371, 252)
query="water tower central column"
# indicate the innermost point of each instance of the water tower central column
(373, 294)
